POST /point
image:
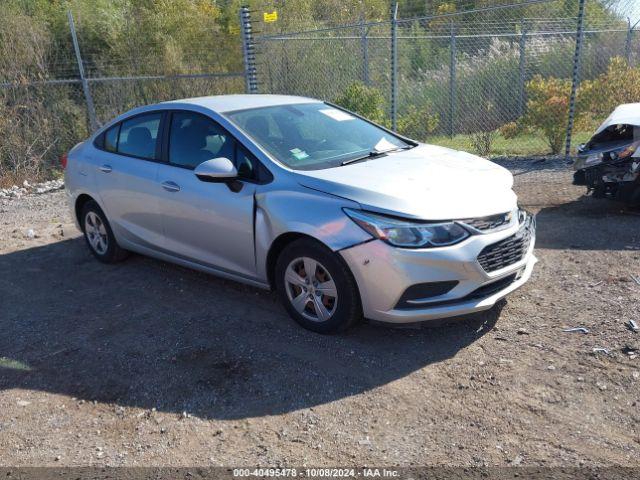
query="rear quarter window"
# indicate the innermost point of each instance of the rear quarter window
(111, 139)
(99, 141)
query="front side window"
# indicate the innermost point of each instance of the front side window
(139, 135)
(246, 164)
(194, 139)
(312, 136)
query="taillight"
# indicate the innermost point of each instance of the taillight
(63, 160)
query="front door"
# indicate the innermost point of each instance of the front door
(205, 222)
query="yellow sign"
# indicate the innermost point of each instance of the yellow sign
(270, 17)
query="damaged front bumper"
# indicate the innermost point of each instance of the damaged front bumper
(610, 176)
(400, 285)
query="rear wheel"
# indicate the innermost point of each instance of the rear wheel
(99, 236)
(317, 288)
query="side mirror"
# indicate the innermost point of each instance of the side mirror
(219, 169)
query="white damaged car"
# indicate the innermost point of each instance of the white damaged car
(609, 163)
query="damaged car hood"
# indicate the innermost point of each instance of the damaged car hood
(616, 139)
(427, 182)
(627, 113)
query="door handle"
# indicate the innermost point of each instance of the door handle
(105, 168)
(171, 186)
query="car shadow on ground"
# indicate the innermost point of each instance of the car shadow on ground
(589, 224)
(147, 334)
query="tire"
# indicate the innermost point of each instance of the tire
(332, 276)
(99, 236)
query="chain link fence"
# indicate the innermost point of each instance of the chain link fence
(497, 80)
(144, 73)
(55, 91)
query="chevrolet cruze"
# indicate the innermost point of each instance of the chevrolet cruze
(344, 218)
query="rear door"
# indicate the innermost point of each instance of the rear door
(127, 170)
(208, 223)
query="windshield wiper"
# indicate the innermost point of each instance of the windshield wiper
(375, 154)
(371, 154)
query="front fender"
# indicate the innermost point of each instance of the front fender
(307, 212)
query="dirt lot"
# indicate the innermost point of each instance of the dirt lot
(145, 363)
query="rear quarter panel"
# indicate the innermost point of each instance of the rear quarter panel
(79, 176)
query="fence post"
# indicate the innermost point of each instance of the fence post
(627, 43)
(394, 64)
(93, 124)
(452, 82)
(364, 45)
(522, 68)
(575, 81)
(248, 51)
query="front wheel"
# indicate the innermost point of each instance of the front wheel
(317, 288)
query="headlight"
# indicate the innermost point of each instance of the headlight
(587, 161)
(403, 233)
(595, 158)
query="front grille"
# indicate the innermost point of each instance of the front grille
(508, 251)
(489, 223)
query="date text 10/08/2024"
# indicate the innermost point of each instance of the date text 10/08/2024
(315, 472)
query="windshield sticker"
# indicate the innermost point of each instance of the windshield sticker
(384, 145)
(338, 115)
(299, 154)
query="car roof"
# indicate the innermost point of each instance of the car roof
(228, 103)
(216, 103)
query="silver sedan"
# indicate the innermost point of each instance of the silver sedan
(344, 218)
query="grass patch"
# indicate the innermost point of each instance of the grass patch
(520, 146)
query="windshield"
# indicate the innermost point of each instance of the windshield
(312, 136)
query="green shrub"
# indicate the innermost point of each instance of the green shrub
(418, 122)
(548, 109)
(548, 104)
(365, 101)
(598, 97)
(510, 130)
(482, 142)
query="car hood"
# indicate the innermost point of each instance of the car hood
(602, 142)
(628, 113)
(427, 182)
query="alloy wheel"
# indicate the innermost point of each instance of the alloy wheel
(96, 233)
(310, 289)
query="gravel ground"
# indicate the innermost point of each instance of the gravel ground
(146, 363)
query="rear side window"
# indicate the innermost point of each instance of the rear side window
(139, 135)
(111, 139)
